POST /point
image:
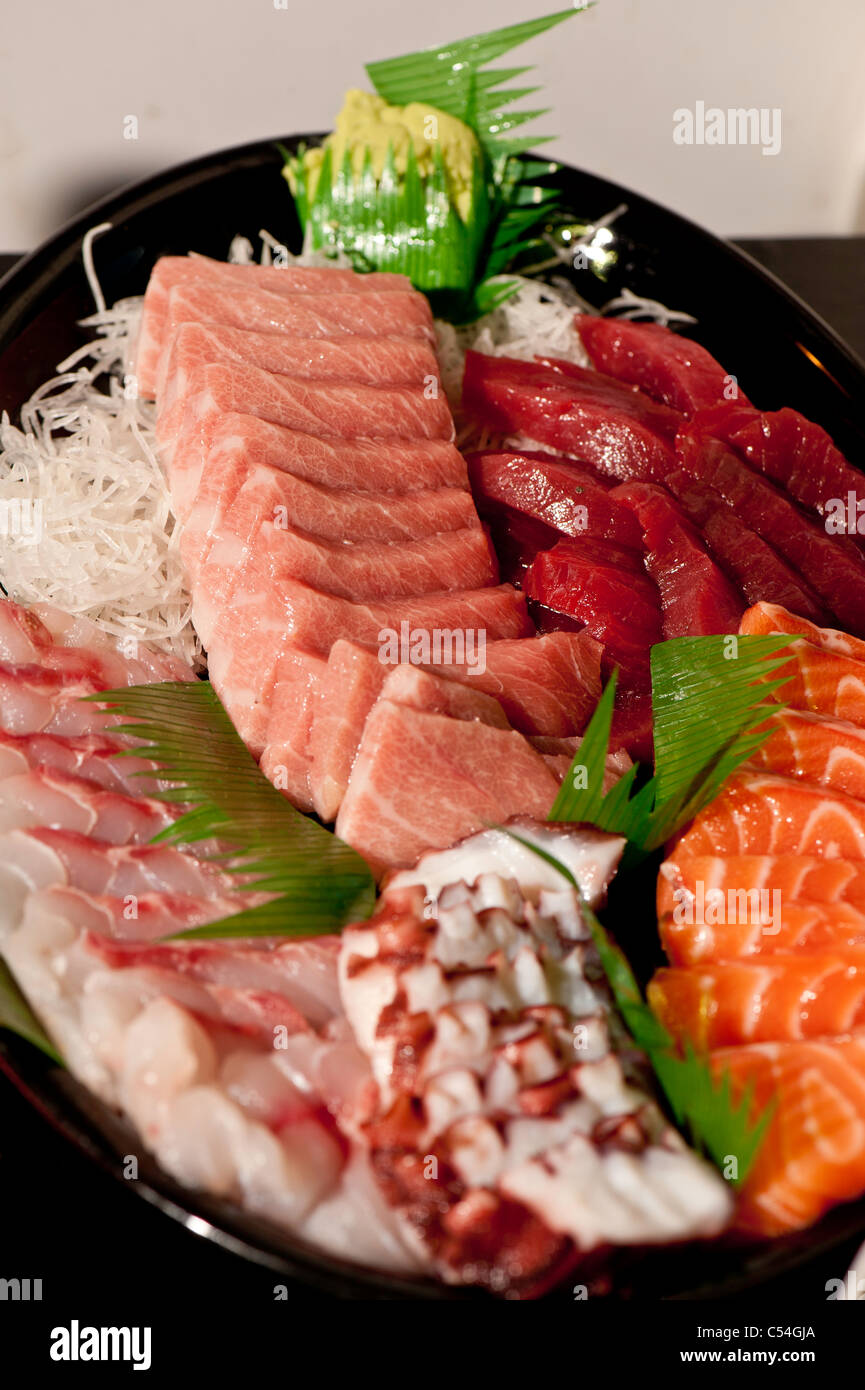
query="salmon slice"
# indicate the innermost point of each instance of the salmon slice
(764, 619)
(286, 759)
(797, 877)
(758, 813)
(373, 361)
(422, 781)
(757, 925)
(388, 414)
(823, 682)
(816, 748)
(813, 1153)
(784, 996)
(249, 639)
(171, 271)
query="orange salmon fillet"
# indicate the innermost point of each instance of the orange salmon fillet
(759, 813)
(813, 1154)
(797, 927)
(787, 996)
(797, 877)
(815, 748)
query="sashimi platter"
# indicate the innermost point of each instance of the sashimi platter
(432, 711)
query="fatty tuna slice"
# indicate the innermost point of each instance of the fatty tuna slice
(387, 414)
(286, 759)
(330, 514)
(171, 271)
(422, 781)
(260, 560)
(249, 639)
(614, 428)
(671, 369)
(394, 466)
(373, 361)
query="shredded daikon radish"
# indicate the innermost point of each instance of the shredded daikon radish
(84, 506)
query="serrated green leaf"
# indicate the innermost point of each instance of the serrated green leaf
(17, 1015)
(321, 883)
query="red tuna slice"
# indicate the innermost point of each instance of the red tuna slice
(796, 454)
(272, 554)
(673, 370)
(287, 758)
(552, 490)
(373, 361)
(422, 781)
(697, 599)
(250, 637)
(619, 607)
(332, 514)
(831, 565)
(170, 271)
(749, 560)
(632, 727)
(614, 428)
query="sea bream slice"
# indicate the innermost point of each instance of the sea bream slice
(40, 797)
(172, 271)
(90, 757)
(370, 361)
(43, 636)
(507, 1136)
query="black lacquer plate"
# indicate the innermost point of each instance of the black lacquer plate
(781, 353)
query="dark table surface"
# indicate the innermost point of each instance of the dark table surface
(84, 1233)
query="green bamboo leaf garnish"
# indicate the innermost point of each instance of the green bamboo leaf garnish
(18, 1017)
(320, 882)
(408, 222)
(701, 1102)
(708, 697)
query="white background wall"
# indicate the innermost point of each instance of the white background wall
(200, 74)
